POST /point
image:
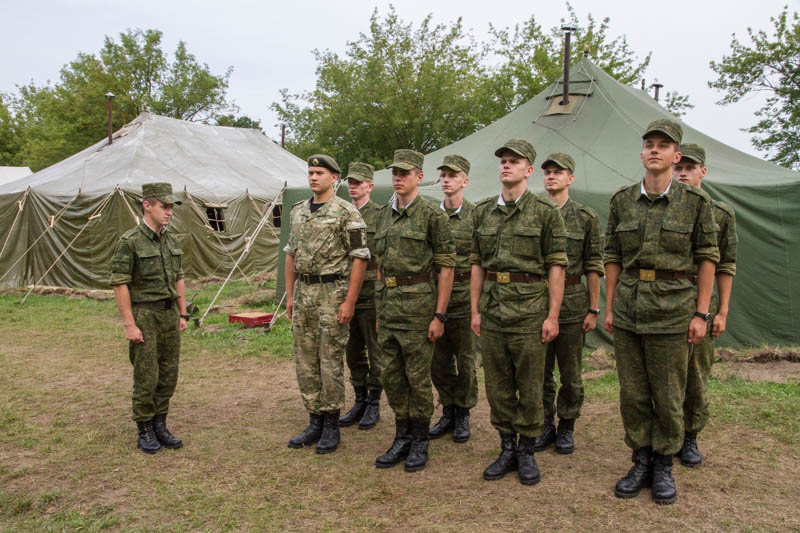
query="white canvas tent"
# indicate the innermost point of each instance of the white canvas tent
(9, 174)
(59, 225)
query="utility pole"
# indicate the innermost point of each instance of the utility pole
(109, 98)
(568, 30)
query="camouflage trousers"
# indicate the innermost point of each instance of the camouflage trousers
(513, 366)
(362, 350)
(652, 382)
(319, 344)
(406, 374)
(155, 361)
(567, 351)
(695, 405)
(453, 368)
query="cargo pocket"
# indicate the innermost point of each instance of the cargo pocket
(413, 244)
(575, 245)
(463, 243)
(487, 239)
(418, 299)
(380, 244)
(676, 237)
(628, 235)
(177, 259)
(526, 242)
(149, 264)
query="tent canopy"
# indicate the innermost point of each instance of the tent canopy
(9, 174)
(601, 129)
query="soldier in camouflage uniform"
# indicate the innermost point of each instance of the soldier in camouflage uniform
(147, 277)
(413, 237)
(657, 231)
(453, 371)
(326, 257)
(579, 309)
(362, 348)
(691, 170)
(518, 241)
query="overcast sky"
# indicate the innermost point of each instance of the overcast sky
(269, 44)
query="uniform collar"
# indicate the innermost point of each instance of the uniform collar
(407, 209)
(666, 193)
(517, 200)
(150, 232)
(457, 211)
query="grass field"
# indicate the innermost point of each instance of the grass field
(68, 459)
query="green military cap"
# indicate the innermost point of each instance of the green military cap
(360, 171)
(561, 159)
(670, 128)
(326, 161)
(407, 159)
(520, 147)
(695, 152)
(160, 191)
(455, 162)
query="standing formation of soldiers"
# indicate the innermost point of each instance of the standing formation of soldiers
(402, 292)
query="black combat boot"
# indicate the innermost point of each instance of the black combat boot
(165, 438)
(357, 411)
(664, 492)
(399, 448)
(373, 411)
(147, 442)
(329, 440)
(446, 423)
(310, 435)
(565, 442)
(639, 477)
(527, 469)
(418, 452)
(547, 437)
(461, 425)
(506, 462)
(690, 453)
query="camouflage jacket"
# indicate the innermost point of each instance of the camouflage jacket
(727, 240)
(528, 236)
(461, 225)
(366, 298)
(324, 241)
(410, 242)
(148, 264)
(585, 254)
(670, 232)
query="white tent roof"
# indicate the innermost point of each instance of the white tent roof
(212, 162)
(9, 174)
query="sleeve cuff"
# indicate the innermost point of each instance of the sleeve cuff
(360, 253)
(727, 268)
(556, 259)
(707, 254)
(445, 260)
(120, 279)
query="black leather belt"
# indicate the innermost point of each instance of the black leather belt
(158, 304)
(324, 278)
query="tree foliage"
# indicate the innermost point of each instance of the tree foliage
(677, 104)
(57, 120)
(769, 65)
(242, 121)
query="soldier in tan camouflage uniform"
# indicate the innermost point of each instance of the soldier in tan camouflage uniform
(579, 309)
(362, 348)
(453, 371)
(657, 231)
(413, 238)
(147, 277)
(518, 241)
(691, 170)
(326, 257)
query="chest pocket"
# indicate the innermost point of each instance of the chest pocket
(380, 243)
(371, 244)
(628, 235)
(412, 244)
(177, 259)
(328, 244)
(526, 241)
(487, 239)
(149, 264)
(463, 242)
(575, 247)
(676, 237)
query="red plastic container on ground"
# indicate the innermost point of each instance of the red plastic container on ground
(250, 319)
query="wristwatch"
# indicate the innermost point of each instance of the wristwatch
(594, 311)
(186, 317)
(441, 316)
(704, 316)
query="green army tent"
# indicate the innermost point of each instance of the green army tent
(601, 128)
(59, 225)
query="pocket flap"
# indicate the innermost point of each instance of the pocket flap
(417, 288)
(628, 225)
(142, 254)
(416, 235)
(678, 227)
(176, 251)
(575, 235)
(529, 231)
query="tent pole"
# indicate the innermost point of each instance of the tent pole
(251, 239)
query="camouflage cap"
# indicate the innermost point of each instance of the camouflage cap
(560, 159)
(160, 191)
(325, 161)
(407, 159)
(360, 171)
(695, 152)
(670, 128)
(520, 147)
(455, 162)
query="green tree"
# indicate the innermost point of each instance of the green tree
(61, 119)
(242, 121)
(677, 104)
(10, 139)
(396, 87)
(532, 58)
(769, 65)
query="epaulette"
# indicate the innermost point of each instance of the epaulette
(128, 234)
(298, 203)
(588, 210)
(723, 206)
(624, 188)
(545, 200)
(695, 190)
(486, 200)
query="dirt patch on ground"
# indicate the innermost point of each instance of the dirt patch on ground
(780, 365)
(257, 300)
(92, 294)
(200, 283)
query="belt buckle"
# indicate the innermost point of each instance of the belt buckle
(391, 281)
(304, 278)
(503, 277)
(647, 275)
